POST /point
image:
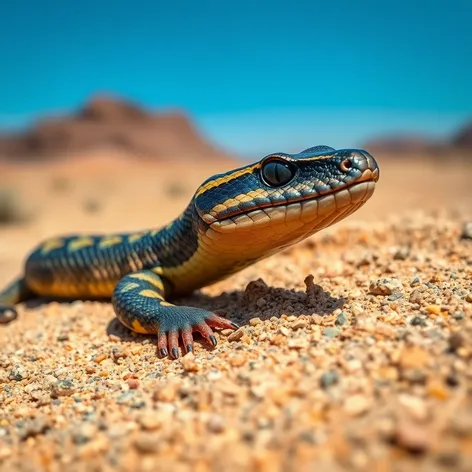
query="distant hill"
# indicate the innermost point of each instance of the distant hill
(463, 138)
(402, 144)
(459, 143)
(110, 123)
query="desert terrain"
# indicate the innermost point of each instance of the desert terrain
(354, 351)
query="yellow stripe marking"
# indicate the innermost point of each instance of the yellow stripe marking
(317, 158)
(108, 241)
(226, 178)
(149, 278)
(129, 286)
(48, 246)
(158, 270)
(166, 304)
(79, 243)
(136, 237)
(138, 327)
(150, 294)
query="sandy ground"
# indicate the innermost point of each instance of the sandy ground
(354, 353)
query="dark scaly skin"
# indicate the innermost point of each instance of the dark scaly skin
(233, 220)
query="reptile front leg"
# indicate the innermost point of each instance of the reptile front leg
(139, 303)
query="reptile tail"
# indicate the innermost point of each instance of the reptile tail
(16, 292)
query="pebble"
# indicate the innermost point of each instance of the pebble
(236, 335)
(412, 437)
(216, 424)
(18, 373)
(62, 388)
(467, 230)
(413, 357)
(357, 405)
(84, 433)
(150, 420)
(418, 321)
(189, 363)
(456, 341)
(415, 282)
(341, 319)
(415, 406)
(402, 253)
(331, 332)
(386, 286)
(329, 378)
(147, 443)
(299, 324)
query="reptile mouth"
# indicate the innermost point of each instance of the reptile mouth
(334, 205)
(341, 193)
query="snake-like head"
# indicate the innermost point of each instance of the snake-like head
(285, 197)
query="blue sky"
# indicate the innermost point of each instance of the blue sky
(256, 76)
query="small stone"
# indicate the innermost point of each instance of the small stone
(133, 384)
(456, 341)
(415, 282)
(150, 421)
(167, 393)
(468, 298)
(402, 253)
(412, 437)
(63, 388)
(236, 335)
(147, 443)
(278, 339)
(418, 321)
(298, 344)
(255, 321)
(299, 324)
(467, 230)
(386, 286)
(5, 452)
(330, 332)
(341, 319)
(437, 389)
(458, 315)
(356, 405)
(189, 363)
(434, 309)
(237, 360)
(462, 424)
(8, 316)
(415, 406)
(329, 378)
(284, 331)
(216, 424)
(63, 337)
(18, 373)
(357, 310)
(413, 357)
(84, 433)
(417, 295)
(99, 358)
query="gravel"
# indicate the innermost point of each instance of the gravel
(327, 371)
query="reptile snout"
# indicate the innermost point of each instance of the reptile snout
(365, 163)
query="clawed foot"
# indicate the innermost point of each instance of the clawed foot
(168, 340)
(7, 314)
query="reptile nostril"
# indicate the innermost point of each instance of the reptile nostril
(346, 165)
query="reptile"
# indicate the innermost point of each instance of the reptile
(233, 220)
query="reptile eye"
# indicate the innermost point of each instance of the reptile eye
(346, 165)
(277, 173)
